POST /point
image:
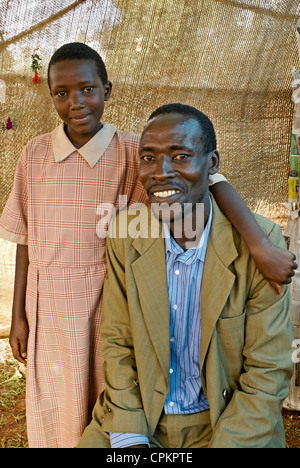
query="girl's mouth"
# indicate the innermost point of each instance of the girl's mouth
(80, 120)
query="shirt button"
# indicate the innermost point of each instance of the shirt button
(172, 340)
(171, 403)
(171, 371)
(177, 272)
(175, 307)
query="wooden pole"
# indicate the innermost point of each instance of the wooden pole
(293, 400)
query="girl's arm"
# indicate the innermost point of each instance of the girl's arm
(19, 327)
(275, 264)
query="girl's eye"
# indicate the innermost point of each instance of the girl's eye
(88, 89)
(62, 93)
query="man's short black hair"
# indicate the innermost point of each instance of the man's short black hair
(209, 135)
(78, 51)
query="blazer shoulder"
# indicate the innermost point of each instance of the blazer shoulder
(272, 230)
(266, 224)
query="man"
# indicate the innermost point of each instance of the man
(197, 344)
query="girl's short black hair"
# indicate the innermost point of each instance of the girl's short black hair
(209, 135)
(78, 51)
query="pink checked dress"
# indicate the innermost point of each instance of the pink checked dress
(54, 207)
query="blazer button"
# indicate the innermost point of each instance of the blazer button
(225, 394)
(136, 382)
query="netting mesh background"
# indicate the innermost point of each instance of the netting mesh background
(231, 59)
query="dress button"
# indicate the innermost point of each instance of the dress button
(225, 394)
(175, 307)
(177, 272)
(171, 371)
(171, 403)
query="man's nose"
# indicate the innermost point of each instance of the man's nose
(163, 168)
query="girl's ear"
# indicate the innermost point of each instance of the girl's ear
(215, 162)
(107, 90)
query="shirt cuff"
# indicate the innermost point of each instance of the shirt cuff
(216, 178)
(120, 440)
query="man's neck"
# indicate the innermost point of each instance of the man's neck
(188, 232)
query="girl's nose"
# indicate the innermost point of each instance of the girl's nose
(76, 101)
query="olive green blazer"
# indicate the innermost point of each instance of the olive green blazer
(246, 337)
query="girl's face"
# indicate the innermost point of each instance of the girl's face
(79, 95)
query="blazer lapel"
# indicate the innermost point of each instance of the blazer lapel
(150, 275)
(218, 280)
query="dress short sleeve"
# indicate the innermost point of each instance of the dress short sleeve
(13, 221)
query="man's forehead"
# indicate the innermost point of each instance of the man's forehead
(174, 125)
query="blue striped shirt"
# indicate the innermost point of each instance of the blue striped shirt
(184, 273)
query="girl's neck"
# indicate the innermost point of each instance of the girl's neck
(80, 139)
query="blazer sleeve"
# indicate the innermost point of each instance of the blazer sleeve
(122, 398)
(253, 415)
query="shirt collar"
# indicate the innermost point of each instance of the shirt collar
(92, 151)
(195, 253)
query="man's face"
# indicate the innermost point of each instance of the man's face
(79, 96)
(174, 168)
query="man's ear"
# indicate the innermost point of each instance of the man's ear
(214, 162)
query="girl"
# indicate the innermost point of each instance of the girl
(51, 214)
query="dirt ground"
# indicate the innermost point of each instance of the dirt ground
(292, 428)
(12, 406)
(12, 401)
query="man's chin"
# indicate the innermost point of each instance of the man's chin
(167, 213)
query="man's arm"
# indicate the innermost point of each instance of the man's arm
(254, 411)
(122, 395)
(121, 440)
(276, 264)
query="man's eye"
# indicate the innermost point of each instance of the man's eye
(180, 157)
(147, 158)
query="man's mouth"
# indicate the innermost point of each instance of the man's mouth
(166, 193)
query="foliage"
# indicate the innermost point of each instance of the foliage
(12, 406)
